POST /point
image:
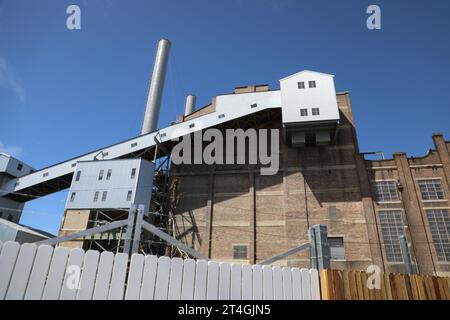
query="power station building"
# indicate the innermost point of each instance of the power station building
(247, 211)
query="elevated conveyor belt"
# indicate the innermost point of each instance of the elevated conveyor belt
(59, 176)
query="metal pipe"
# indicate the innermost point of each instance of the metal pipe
(190, 104)
(155, 91)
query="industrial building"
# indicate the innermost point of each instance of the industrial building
(236, 212)
(11, 168)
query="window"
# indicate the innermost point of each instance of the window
(315, 111)
(240, 252)
(72, 196)
(392, 227)
(133, 173)
(77, 178)
(104, 194)
(385, 191)
(431, 189)
(129, 194)
(439, 221)
(301, 85)
(96, 196)
(10, 217)
(108, 174)
(312, 84)
(74, 164)
(100, 174)
(221, 116)
(332, 212)
(134, 144)
(163, 135)
(336, 248)
(19, 167)
(254, 105)
(192, 125)
(303, 112)
(45, 174)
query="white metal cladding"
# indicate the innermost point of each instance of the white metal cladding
(13, 166)
(266, 101)
(40, 273)
(322, 96)
(117, 183)
(231, 106)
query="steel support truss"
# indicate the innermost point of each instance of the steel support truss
(134, 225)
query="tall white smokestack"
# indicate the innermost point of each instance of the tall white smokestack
(190, 104)
(155, 91)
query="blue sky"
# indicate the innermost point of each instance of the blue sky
(64, 93)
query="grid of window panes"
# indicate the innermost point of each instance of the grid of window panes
(385, 191)
(392, 227)
(431, 189)
(240, 252)
(439, 221)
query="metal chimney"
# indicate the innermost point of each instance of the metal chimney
(155, 91)
(190, 104)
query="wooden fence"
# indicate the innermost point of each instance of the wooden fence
(352, 285)
(33, 273)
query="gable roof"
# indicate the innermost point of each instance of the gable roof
(303, 71)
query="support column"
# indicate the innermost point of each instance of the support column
(209, 213)
(252, 191)
(414, 216)
(373, 234)
(444, 155)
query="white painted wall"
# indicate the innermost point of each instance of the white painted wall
(323, 96)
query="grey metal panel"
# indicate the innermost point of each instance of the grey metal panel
(116, 187)
(156, 87)
(11, 165)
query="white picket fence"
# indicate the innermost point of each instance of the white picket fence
(33, 273)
